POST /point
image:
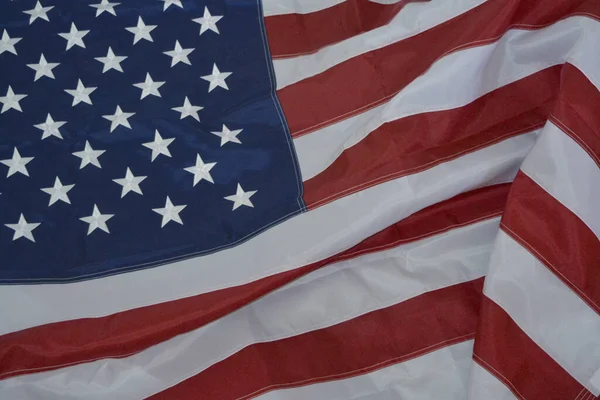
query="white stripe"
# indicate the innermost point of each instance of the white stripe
(457, 80)
(385, 1)
(441, 374)
(584, 59)
(595, 380)
(546, 309)
(334, 294)
(299, 241)
(278, 7)
(483, 385)
(412, 20)
(562, 168)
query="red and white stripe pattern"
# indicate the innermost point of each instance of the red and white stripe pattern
(542, 289)
(410, 120)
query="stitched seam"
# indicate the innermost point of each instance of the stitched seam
(464, 46)
(57, 366)
(275, 99)
(146, 265)
(420, 168)
(373, 306)
(576, 210)
(568, 131)
(551, 266)
(509, 385)
(360, 371)
(587, 395)
(369, 250)
(399, 4)
(342, 258)
(411, 34)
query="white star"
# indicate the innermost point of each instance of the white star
(119, 118)
(130, 183)
(89, 156)
(159, 145)
(141, 31)
(8, 44)
(111, 61)
(81, 94)
(241, 198)
(43, 68)
(217, 78)
(168, 4)
(208, 22)
(50, 127)
(74, 37)
(17, 163)
(169, 212)
(188, 110)
(103, 6)
(23, 229)
(149, 87)
(179, 54)
(58, 192)
(97, 220)
(38, 12)
(227, 135)
(11, 100)
(201, 170)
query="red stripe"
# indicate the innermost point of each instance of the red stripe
(539, 222)
(415, 143)
(556, 236)
(563, 242)
(296, 34)
(576, 111)
(70, 342)
(504, 350)
(370, 79)
(372, 341)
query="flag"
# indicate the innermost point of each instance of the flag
(298, 199)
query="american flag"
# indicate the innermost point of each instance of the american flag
(300, 199)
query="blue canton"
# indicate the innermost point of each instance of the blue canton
(134, 134)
